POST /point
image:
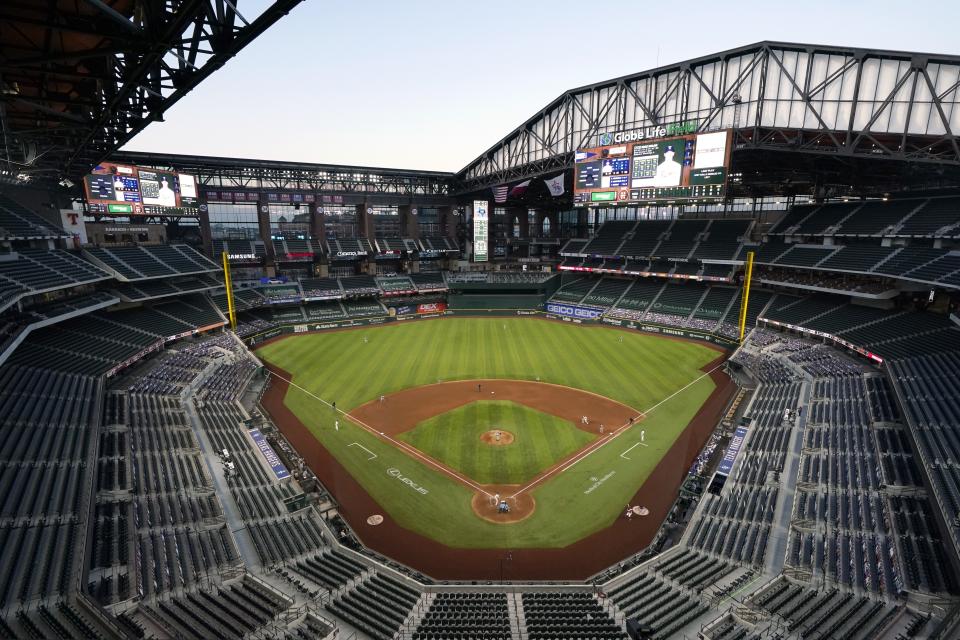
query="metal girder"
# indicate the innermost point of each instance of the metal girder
(235, 173)
(114, 67)
(796, 98)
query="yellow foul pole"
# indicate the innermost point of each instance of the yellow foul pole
(745, 296)
(231, 312)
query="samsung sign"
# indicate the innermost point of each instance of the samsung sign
(572, 311)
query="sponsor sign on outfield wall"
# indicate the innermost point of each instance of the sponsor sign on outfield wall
(573, 311)
(432, 307)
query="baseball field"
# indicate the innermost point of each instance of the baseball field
(442, 422)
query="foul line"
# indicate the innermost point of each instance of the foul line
(372, 454)
(600, 443)
(624, 454)
(397, 443)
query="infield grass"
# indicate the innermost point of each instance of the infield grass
(540, 440)
(640, 370)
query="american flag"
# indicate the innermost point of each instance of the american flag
(500, 193)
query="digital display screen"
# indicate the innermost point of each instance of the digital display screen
(654, 170)
(159, 188)
(480, 230)
(588, 175)
(188, 189)
(112, 184)
(117, 188)
(615, 173)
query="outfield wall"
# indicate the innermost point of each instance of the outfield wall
(330, 325)
(492, 301)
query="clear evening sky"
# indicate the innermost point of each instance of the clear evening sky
(433, 84)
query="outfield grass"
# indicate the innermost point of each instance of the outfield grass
(641, 371)
(540, 441)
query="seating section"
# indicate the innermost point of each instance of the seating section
(675, 300)
(320, 287)
(377, 606)
(440, 243)
(98, 342)
(722, 240)
(607, 292)
(937, 217)
(856, 258)
(826, 613)
(645, 238)
(359, 285)
(30, 272)
(465, 616)
(934, 217)
(363, 308)
(235, 610)
(798, 256)
(395, 284)
(499, 277)
(682, 237)
(428, 281)
(330, 310)
(144, 262)
(928, 386)
(574, 290)
(877, 217)
(19, 223)
(609, 238)
(151, 289)
(49, 421)
(568, 616)
(641, 294)
(329, 570)
(657, 603)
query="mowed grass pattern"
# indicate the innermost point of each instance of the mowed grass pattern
(640, 370)
(540, 440)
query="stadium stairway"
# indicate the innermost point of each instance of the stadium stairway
(416, 614)
(518, 618)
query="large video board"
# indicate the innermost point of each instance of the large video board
(481, 221)
(130, 190)
(653, 170)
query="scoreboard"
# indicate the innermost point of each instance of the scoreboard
(692, 167)
(116, 189)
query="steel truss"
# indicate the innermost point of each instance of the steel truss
(267, 175)
(825, 101)
(79, 79)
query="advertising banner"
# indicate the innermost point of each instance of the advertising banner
(433, 307)
(73, 224)
(573, 311)
(733, 450)
(279, 470)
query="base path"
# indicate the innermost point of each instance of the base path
(575, 562)
(403, 410)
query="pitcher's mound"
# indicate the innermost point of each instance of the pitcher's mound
(484, 505)
(497, 437)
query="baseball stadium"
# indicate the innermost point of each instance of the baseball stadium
(678, 357)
